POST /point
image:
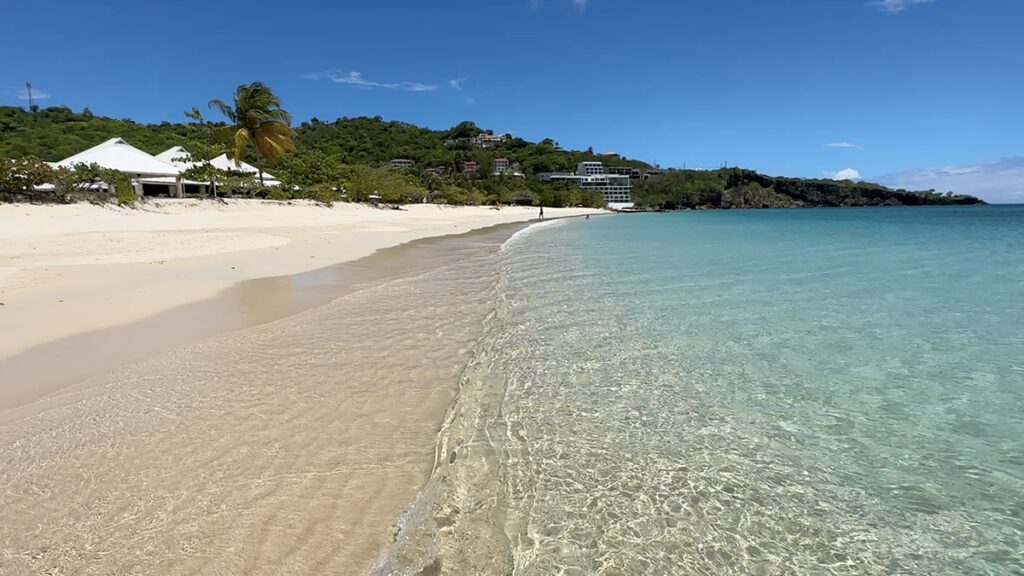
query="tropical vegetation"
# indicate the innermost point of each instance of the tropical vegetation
(256, 122)
(349, 159)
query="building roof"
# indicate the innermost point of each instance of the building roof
(116, 154)
(222, 162)
(175, 156)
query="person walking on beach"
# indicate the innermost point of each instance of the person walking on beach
(541, 212)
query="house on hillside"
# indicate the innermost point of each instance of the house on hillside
(485, 140)
(502, 165)
(402, 163)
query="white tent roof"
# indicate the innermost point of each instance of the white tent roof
(174, 156)
(222, 162)
(117, 154)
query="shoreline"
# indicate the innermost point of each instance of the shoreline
(57, 300)
(295, 443)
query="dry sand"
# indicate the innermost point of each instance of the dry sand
(284, 448)
(66, 270)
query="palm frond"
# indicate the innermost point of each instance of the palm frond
(257, 120)
(241, 146)
(224, 109)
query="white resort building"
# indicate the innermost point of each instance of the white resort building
(145, 171)
(615, 188)
(157, 175)
(182, 158)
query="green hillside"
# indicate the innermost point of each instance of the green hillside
(354, 154)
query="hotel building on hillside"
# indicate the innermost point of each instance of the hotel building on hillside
(614, 188)
(590, 168)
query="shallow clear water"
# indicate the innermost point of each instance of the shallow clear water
(750, 392)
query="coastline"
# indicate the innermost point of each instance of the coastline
(147, 279)
(296, 443)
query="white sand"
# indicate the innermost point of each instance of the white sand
(66, 270)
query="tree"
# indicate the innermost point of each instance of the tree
(258, 121)
(25, 179)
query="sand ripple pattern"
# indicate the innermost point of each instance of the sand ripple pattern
(289, 448)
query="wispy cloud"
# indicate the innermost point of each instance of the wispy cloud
(357, 79)
(37, 94)
(456, 84)
(844, 174)
(894, 6)
(999, 181)
(846, 145)
(579, 4)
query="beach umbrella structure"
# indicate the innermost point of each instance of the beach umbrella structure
(143, 169)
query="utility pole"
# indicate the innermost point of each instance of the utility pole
(28, 89)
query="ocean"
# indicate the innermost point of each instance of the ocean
(819, 391)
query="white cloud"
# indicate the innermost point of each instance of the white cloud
(356, 79)
(844, 174)
(456, 84)
(997, 181)
(37, 94)
(894, 6)
(847, 145)
(579, 4)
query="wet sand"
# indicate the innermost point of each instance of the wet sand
(33, 374)
(290, 447)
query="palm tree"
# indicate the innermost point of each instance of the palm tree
(257, 120)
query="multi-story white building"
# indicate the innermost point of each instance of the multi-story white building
(615, 188)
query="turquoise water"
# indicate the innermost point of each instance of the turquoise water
(749, 392)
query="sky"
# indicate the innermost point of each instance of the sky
(922, 93)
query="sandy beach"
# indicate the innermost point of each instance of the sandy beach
(65, 270)
(290, 446)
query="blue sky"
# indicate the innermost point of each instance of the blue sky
(903, 91)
